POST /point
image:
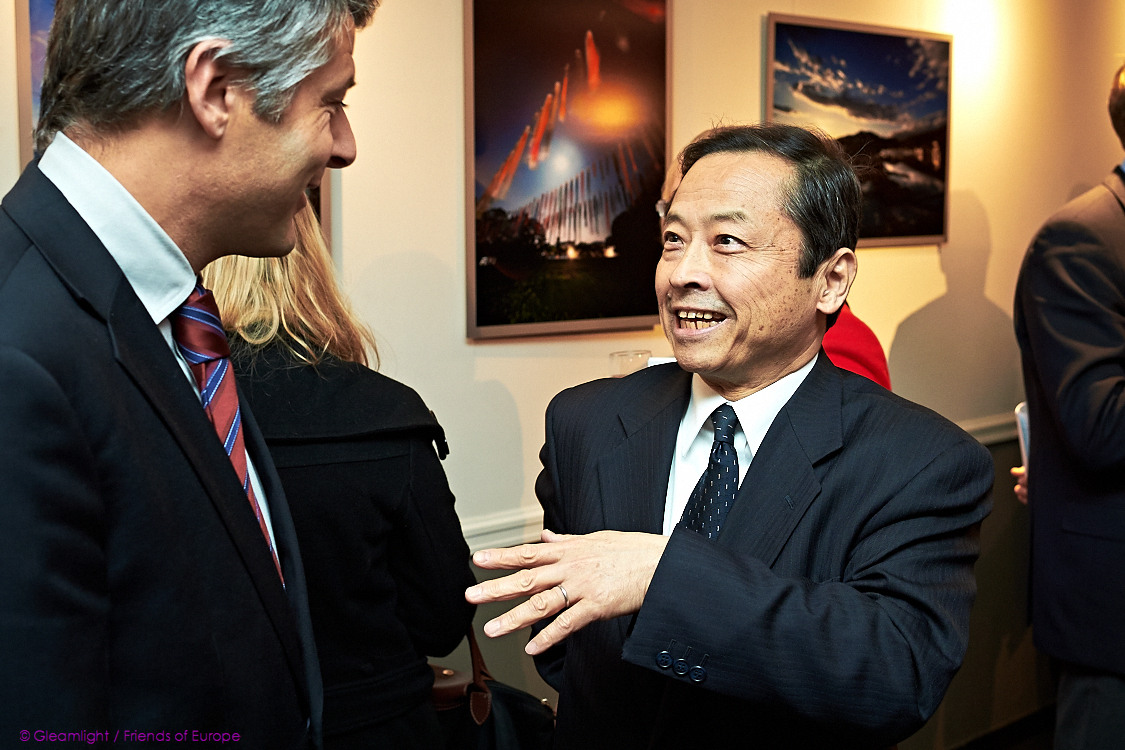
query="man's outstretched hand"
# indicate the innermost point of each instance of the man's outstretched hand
(580, 578)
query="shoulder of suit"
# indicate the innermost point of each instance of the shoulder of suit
(1103, 202)
(331, 399)
(870, 408)
(614, 392)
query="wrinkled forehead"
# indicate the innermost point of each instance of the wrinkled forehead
(726, 182)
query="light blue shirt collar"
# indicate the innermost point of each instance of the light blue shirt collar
(154, 266)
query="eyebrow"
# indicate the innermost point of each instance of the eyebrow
(734, 214)
(731, 215)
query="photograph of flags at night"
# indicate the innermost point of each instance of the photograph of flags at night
(568, 158)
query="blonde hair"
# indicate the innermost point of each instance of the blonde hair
(293, 300)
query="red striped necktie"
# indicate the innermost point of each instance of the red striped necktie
(199, 335)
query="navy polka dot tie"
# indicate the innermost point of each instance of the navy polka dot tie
(714, 493)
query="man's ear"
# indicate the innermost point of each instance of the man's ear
(836, 276)
(209, 85)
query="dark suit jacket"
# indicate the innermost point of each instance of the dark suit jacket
(831, 611)
(1070, 323)
(137, 590)
(387, 565)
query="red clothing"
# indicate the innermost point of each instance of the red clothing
(850, 344)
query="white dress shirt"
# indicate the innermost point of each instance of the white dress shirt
(756, 413)
(156, 269)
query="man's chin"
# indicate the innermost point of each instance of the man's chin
(274, 250)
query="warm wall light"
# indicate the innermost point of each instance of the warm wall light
(977, 45)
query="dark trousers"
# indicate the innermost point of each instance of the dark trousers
(1091, 710)
(417, 729)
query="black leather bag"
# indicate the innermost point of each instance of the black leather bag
(479, 713)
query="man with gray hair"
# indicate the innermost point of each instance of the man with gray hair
(151, 581)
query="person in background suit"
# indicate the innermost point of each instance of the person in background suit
(1070, 324)
(384, 556)
(152, 585)
(825, 602)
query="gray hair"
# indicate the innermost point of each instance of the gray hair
(110, 62)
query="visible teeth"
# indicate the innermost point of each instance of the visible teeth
(697, 320)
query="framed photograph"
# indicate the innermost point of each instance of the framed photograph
(565, 148)
(884, 94)
(33, 21)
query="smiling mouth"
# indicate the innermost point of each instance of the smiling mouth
(698, 320)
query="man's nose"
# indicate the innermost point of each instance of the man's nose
(693, 268)
(343, 142)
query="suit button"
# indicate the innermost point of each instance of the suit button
(680, 667)
(664, 660)
(697, 674)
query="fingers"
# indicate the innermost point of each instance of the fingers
(514, 558)
(540, 605)
(520, 583)
(549, 536)
(568, 621)
(576, 579)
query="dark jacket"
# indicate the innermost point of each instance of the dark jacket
(1070, 323)
(136, 592)
(831, 611)
(385, 558)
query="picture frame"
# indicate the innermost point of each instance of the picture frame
(566, 143)
(884, 94)
(33, 20)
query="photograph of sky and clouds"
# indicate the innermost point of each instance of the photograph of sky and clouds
(884, 94)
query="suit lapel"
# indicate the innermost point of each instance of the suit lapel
(145, 355)
(781, 484)
(633, 475)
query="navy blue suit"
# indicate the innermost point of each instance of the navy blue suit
(1070, 323)
(831, 611)
(137, 590)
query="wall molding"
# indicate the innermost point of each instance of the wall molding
(996, 428)
(502, 529)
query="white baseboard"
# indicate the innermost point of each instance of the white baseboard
(503, 529)
(996, 428)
